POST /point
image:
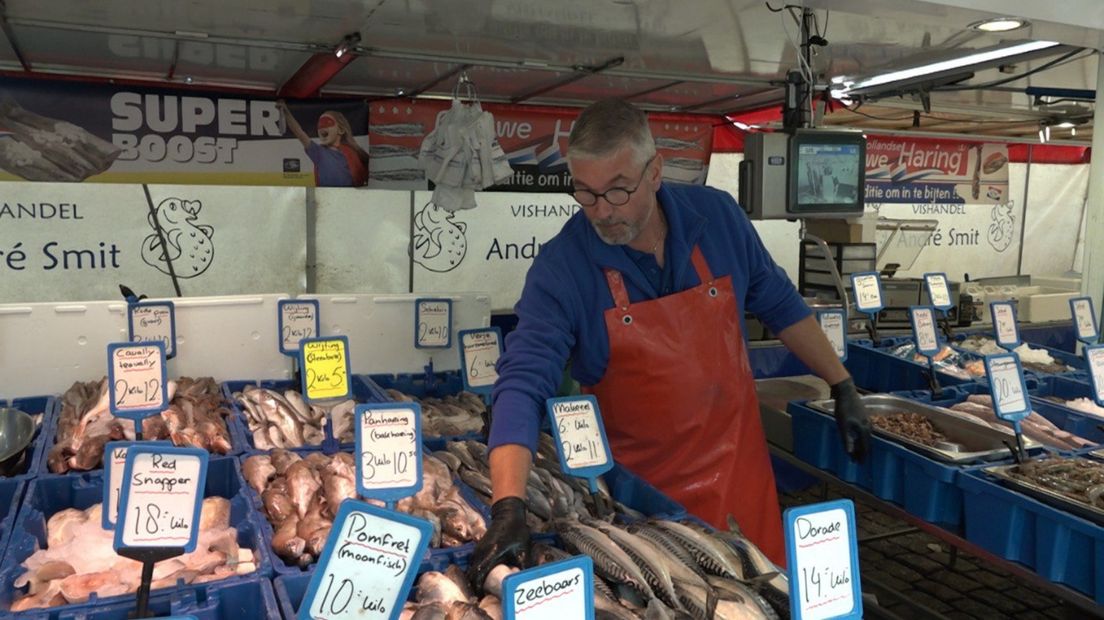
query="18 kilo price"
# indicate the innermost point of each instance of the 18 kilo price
(156, 520)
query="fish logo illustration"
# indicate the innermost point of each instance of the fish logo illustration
(1002, 228)
(187, 244)
(440, 243)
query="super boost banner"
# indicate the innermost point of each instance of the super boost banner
(73, 132)
(911, 171)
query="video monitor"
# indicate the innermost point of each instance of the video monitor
(826, 172)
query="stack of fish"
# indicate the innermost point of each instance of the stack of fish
(946, 361)
(1034, 426)
(79, 559)
(448, 596)
(301, 496)
(449, 416)
(285, 420)
(549, 493)
(1084, 405)
(1032, 358)
(194, 418)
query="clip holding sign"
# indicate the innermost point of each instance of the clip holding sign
(297, 319)
(153, 321)
(1094, 355)
(136, 379)
(553, 591)
(367, 565)
(823, 561)
(479, 353)
(432, 323)
(388, 450)
(834, 325)
(325, 366)
(1084, 320)
(1005, 328)
(114, 463)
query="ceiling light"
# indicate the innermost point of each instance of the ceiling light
(999, 24)
(1073, 131)
(742, 126)
(1066, 125)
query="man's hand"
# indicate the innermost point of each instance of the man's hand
(506, 541)
(854, 424)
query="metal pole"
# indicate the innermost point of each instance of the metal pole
(1023, 210)
(1092, 267)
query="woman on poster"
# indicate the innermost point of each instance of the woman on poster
(338, 159)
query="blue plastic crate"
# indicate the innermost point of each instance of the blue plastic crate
(1055, 544)
(877, 370)
(816, 441)
(923, 486)
(46, 406)
(11, 495)
(421, 385)
(1060, 337)
(362, 393)
(252, 599)
(50, 494)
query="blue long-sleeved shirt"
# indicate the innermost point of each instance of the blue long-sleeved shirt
(560, 312)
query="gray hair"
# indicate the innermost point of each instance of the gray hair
(606, 126)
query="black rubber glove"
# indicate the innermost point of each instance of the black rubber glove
(506, 541)
(854, 424)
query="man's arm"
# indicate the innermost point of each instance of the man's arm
(807, 341)
(510, 470)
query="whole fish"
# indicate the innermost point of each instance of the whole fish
(648, 558)
(740, 601)
(436, 587)
(713, 556)
(610, 561)
(668, 544)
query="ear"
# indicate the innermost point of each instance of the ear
(656, 174)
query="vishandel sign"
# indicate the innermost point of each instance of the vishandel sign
(908, 171)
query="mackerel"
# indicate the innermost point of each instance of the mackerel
(749, 601)
(648, 558)
(712, 555)
(610, 561)
(669, 545)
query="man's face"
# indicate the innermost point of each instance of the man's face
(618, 224)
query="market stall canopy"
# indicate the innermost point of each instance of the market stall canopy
(708, 56)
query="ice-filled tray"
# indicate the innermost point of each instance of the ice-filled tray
(1046, 494)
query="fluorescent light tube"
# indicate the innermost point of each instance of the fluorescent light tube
(954, 63)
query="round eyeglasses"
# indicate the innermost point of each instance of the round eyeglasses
(615, 196)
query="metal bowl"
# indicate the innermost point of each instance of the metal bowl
(17, 429)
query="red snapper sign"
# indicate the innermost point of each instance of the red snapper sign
(904, 170)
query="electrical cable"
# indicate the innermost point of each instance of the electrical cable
(1002, 81)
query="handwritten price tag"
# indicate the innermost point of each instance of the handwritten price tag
(153, 321)
(834, 327)
(367, 565)
(1004, 324)
(325, 364)
(162, 493)
(433, 323)
(114, 462)
(868, 292)
(136, 379)
(1084, 319)
(923, 330)
(1006, 383)
(479, 353)
(938, 291)
(1095, 356)
(552, 591)
(389, 450)
(822, 555)
(577, 425)
(298, 320)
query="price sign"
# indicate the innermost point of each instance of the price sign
(389, 450)
(1006, 383)
(153, 321)
(1084, 319)
(479, 353)
(835, 328)
(433, 323)
(552, 591)
(298, 319)
(114, 462)
(923, 330)
(577, 426)
(1004, 324)
(868, 292)
(823, 560)
(325, 364)
(162, 493)
(137, 386)
(938, 291)
(1095, 356)
(367, 565)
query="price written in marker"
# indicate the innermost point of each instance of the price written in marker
(834, 327)
(162, 492)
(1006, 384)
(479, 353)
(367, 565)
(868, 292)
(153, 321)
(580, 435)
(298, 320)
(433, 323)
(923, 330)
(389, 450)
(114, 460)
(1095, 356)
(325, 364)
(1004, 324)
(136, 379)
(552, 591)
(821, 552)
(1084, 319)
(938, 291)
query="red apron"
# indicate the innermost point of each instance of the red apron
(679, 405)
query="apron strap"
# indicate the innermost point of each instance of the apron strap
(617, 288)
(700, 266)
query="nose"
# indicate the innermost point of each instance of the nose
(601, 209)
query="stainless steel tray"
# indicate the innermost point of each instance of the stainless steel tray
(775, 394)
(971, 440)
(1045, 495)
